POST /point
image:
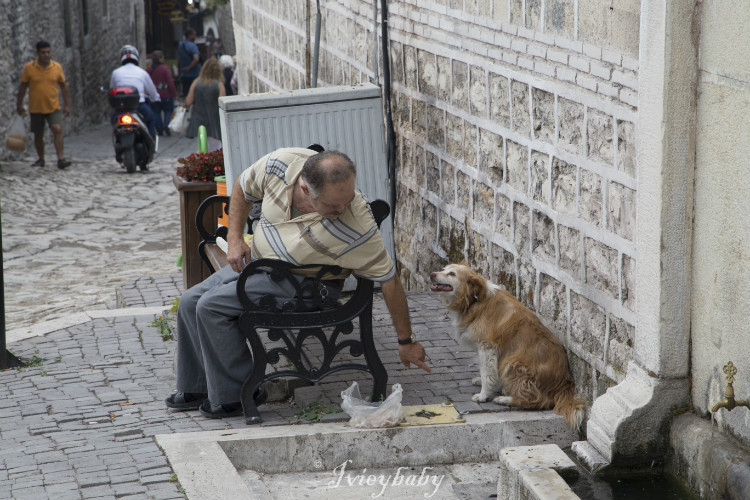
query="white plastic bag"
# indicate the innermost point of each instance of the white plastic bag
(16, 140)
(366, 414)
(179, 121)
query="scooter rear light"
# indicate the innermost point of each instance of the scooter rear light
(126, 119)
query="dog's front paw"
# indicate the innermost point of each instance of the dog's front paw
(480, 398)
(477, 381)
(503, 400)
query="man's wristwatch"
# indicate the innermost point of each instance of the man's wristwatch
(408, 340)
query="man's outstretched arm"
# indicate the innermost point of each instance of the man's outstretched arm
(395, 299)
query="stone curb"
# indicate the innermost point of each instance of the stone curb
(45, 327)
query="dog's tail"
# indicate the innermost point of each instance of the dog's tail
(570, 407)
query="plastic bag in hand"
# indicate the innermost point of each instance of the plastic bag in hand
(16, 140)
(366, 414)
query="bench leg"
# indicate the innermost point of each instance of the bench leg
(375, 366)
(253, 393)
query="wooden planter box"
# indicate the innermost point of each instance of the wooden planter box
(192, 194)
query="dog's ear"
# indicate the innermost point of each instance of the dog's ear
(477, 288)
(463, 263)
(471, 291)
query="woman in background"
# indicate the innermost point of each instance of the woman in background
(203, 96)
(162, 78)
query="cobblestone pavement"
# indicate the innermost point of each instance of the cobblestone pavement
(70, 237)
(80, 422)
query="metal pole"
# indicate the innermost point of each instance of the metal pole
(7, 360)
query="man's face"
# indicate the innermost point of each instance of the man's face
(44, 55)
(334, 198)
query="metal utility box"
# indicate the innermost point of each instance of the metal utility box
(345, 118)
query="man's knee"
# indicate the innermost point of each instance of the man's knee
(56, 129)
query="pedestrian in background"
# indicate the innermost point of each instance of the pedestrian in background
(43, 77)
(204, 98)
(161, 75)
(189, 60)
(227, 64)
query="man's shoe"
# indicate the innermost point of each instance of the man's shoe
(209, 410)
(185, 400)
(63, 163)
(168, 132)
(38, 163)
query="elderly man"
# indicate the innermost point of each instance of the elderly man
(312, 214)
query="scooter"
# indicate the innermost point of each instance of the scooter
(134, 146)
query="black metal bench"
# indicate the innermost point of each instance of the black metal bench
(302, 319)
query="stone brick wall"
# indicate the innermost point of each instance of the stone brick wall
(87, 58)
(515, 124)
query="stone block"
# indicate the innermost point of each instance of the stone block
(516, 12)
(500, 100)
(626, 159)
(432, 164)
(427, 79)
(520, 106)
(397, 62)
(471, 136)
(460, 93)
(463, 191)
(601, 266)
(447, 177)
(620, 348)
(500, 11)
(435, 126)
(591, 200)
(478, 92)
(504, 268)
(564, 177)
(478, 252)
(452, 239)
(540, 186)
(410, 67)
(627, 285)
(621, 208)
(534, 14)
(588, 323)
(559, 17)
(419, 118)
(517, 166)
(521, 234)
(600, 130)
(571, 251)
(491, 151)
(543, 110)
(429, 226)
(570, 121)
(601, 70)
(503, 217)
(553, 305)
(484, 204)
(454, 135)
(543, 237)
(402, 112)
(443, 78)
(544, 484)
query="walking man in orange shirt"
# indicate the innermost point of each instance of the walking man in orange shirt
(42, 77)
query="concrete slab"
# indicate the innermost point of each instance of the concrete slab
(337, 461)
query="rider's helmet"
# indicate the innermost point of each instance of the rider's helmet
(128, 53)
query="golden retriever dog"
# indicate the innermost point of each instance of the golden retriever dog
(518, 355)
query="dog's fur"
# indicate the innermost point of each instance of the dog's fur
(518, 355)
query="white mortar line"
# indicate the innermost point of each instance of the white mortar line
(75, 319)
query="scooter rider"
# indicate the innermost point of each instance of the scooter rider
(129, 73)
